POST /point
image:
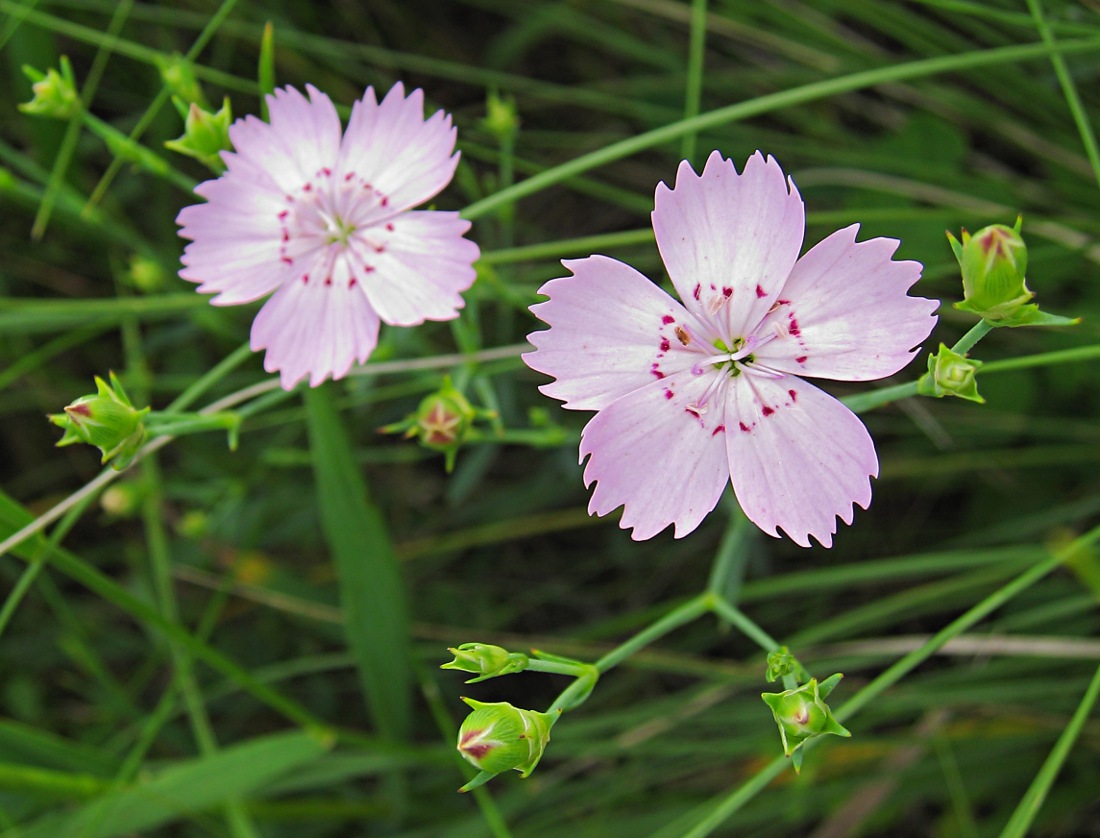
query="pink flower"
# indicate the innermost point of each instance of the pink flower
(691, 396)
(324, 222)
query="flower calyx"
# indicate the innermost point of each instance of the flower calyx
(782, 663)
(107, 420)
(803, 715)
(205, 133)
(498, 737)
(951, 374)
(994, 267)
(178, 74)
(485, 661)
(443, 422)
(55, 93)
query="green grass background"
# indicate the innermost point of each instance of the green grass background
(247, 644)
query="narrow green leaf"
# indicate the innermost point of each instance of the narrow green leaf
(14, 517)
(1019, 824)
(27, 744)
(183, 789)
(372, 595)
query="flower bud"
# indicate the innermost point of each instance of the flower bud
(994, 264)
(780, 663)
(802, 714)
(485, 661)
(55, 94)
(106, 420)
(498, 737)
(443, 422)
(205, 135)
(951, 374)
(501, 117)
(178, 74)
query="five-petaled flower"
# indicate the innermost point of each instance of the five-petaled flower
(323, 219)
(691, 396)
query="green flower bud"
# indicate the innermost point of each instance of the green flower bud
(498, 737)
(106, 420)
(994, 264)
(780, 662)
(147, 275)
(951, 374)
(443, 422)
(55, 94)
(501, 118)
(802, 714)
(485, 661)
(178, 75)
(205, 135)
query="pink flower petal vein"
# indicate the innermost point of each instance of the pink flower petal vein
(692, 395)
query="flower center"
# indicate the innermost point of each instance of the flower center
(334, 225)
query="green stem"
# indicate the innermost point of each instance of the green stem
(751, 630)
(679, 616)
(158, 102)
(582, 246)
(765, 104)
(1069, 90)
(72, 132)
(714, 813)
(727, 570)
(34, 567)
(968, 341)
(575, 670)
(187, 398)
(1029, 806)
(575, 693)
(1043, 359)
(862, 402)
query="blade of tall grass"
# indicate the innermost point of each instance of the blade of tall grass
(372, 594)
(1021, 820)
(184, 789)
(765, 104)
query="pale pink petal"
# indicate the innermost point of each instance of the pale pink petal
(612, 331)
(235, 243)
(659, 460)
(844, 312)
(799, 459)
(419, 266)
(390, 146)
(729, 240)
(302, 138)
(315, 329)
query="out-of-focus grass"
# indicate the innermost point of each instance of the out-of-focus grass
(188, 624)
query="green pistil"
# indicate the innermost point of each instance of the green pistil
(732, 368)
(342, 233)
